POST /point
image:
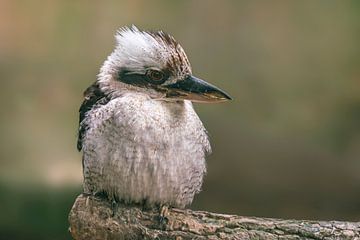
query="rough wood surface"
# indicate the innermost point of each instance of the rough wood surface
(91, 218)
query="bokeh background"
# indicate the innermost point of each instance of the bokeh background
(287, 146)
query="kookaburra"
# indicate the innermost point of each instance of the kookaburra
(141, 139)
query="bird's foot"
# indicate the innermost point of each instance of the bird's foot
(114, 207)
(163, 215)
(145, 206)
(101, 195)
(87, 195)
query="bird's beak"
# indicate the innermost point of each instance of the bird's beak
(196, 90)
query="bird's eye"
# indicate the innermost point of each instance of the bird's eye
(155, 75)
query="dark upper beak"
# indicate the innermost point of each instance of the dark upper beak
(196, 90)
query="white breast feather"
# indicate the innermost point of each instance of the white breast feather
(137, 148)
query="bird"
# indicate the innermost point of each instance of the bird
(140, 137)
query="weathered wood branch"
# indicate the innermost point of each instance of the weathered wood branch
(91, 218)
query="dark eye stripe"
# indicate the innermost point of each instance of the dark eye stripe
(143, 80)
(132, 78)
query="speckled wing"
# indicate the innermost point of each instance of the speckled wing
(93, 97)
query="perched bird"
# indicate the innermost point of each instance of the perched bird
(140, 136)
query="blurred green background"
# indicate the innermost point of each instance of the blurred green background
(287, 146)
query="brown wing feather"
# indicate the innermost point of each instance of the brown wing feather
(93, 96)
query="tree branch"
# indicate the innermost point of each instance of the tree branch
(91, 218)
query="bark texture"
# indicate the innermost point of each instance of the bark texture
(92, 218)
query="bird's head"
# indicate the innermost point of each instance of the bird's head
(155, 64)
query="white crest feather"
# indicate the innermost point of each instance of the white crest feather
(137, 50)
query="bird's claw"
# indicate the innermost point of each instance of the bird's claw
(87, 201)
(164, 213)
(114, 206)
